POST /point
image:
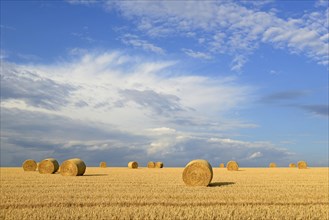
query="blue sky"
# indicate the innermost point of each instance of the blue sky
(165, 81)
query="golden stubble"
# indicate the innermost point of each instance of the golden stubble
(122, 193)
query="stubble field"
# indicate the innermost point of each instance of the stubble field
(144, 193)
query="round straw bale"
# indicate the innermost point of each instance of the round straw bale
(158, 164)
(133, 165)
(302, 165)
(272, 165)
(151, 164)
(197, 173)
(102, 164)
(48, 166)
(73, 167)
(221, 165)
(292, 165)
(232, 166)
(29, 165)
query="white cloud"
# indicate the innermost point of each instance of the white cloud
(255, 155)
(161, 131)
(238, 62)
(110, 103)
(134, 41)
(77, 51)
(82, 2)
(230, 28)
(196, 54)
(322, 3)
(107, 87)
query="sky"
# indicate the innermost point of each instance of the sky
(167, 81)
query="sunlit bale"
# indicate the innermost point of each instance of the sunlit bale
(292, 165)
(232, 166)
(133, 165)
(48, 166)
(103, 164)
(302, 165)
(197, 173)
(272, 165)
(158, 164)
(73, 167)
(151, 164)
(29, 165)
(221, 165)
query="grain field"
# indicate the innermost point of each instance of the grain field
(122, 193)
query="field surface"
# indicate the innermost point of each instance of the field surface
(122, 193)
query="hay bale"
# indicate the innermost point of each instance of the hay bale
(221, 165)
(48, 166)
(133, 165)
(151, 164)
(302, 165)
(272, 165)
(29, 165)
(158, 164)
(102, 164)
(292, 165)
(232, 166)
(197, 173)
(73, 167)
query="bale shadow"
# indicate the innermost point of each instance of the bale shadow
(95, 175)
(218, 184)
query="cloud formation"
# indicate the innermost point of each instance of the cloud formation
(35, 90)
(28, 134)
(111, 106)
(196, 54)
(224, 27)
(136, 42)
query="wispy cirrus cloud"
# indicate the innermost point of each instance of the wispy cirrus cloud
(321, 3)
(83, 2)
(135, 41)
(196, 54)
(236, 29)
(159, 103)
(255, 155)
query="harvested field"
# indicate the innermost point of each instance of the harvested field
(122, 193)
